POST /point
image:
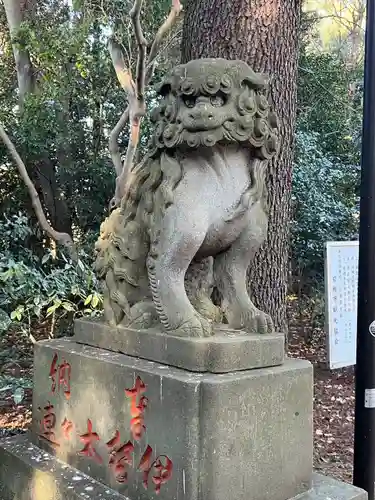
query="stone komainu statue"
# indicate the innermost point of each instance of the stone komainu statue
(194, 213)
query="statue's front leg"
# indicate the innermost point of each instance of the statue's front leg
(181, 234)
(230, 269)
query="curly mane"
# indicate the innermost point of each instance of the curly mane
(126, 235)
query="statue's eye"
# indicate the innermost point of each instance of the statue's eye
(189, 102)
(217, 101)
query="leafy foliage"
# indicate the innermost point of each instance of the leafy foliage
(326, 175)
(328, 104)
(61, 133)
(34, 287)
(324, 203)
(16, 385)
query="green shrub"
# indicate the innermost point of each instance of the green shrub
(324, 207)
(34, 287)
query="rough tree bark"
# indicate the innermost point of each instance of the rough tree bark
(263, 33)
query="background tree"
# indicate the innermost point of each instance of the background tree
(17, 12)
(340, 29)
(21, 18)
(62, 131)
(265, 35)
(326, 174)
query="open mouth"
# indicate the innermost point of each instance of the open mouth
(202, 128)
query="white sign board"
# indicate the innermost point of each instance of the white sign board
(341, 279)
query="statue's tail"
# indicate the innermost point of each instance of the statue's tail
(126, 237)
(120, 264)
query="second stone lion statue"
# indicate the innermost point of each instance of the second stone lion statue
(194, 213)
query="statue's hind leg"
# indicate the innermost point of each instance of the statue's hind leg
(199, 281)
(172, 251)
(230, 270)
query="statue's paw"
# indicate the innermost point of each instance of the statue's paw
(206, 308)
(253, 321)
(142, 322)
(113, 313)
(264, 322)
(143, 315)
(121, 301)
(196, 326)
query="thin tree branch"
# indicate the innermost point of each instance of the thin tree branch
(114, 148)
(137, 107)
(346, 23)
(164, 48)
(62, 238)
(127, 164)
(161, 33)
(134, 113)
(114, 135)
(141, 59)
(135, 91)
(136, 100)
(164, 29)
(123, 72)
(335, 97)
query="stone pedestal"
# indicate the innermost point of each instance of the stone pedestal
(225, 352)
(195, 419)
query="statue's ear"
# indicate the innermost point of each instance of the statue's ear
(256, 81)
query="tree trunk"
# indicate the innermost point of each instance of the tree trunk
(55, 204)
(265, 35)
(14, 11)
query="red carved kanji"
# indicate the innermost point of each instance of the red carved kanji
(52, 373)
(162, 472)
(63, 379)
(120, 458)
(67, 427)
(65, 371)
(47, 424)
(89, 440)
(137, 408)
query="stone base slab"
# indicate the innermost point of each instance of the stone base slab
(327, 488)
(29, 473)
(226, 351)
(247, 431)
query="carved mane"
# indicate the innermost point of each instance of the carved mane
(244, 117)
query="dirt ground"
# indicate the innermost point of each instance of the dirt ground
(333, 400)
(333, 407)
